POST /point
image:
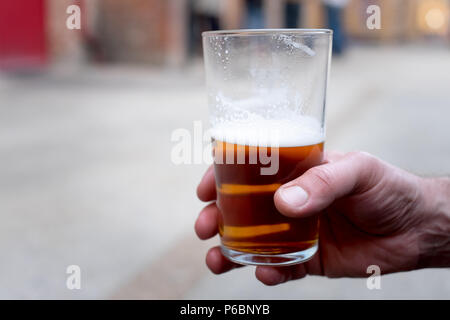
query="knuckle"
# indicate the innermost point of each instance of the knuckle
(362, 156)
(323, 176)
(370, 167)
(333, 155)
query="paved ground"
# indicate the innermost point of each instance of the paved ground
(86, 176)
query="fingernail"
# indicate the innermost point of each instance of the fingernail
(294, 196)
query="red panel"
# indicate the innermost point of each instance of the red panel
(22, 33)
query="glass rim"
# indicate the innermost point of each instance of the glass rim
(259, 32)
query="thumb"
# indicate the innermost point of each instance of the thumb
(320, 186)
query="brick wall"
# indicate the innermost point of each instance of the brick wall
(142, 30)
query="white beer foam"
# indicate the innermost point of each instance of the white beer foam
(293, 132)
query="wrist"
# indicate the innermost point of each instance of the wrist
(434, 229)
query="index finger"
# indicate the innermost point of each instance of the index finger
(206, 190)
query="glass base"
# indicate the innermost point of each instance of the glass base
(255, 259)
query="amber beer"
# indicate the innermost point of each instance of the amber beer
(249, 221)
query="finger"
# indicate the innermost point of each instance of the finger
(318, 187)
(272, 276)
(207, 222)
(217, 263)
(206, 190)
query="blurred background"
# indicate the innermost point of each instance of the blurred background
(86, 117)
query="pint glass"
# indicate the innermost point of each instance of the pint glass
(266, 95)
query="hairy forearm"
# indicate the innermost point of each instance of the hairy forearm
(434, 231)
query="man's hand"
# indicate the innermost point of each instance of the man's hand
(370, 213)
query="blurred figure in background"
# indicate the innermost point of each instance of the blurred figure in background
(334, 11)
(255, 14)
(204, 16)
(292, 14)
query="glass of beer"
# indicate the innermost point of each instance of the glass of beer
(266, 95)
